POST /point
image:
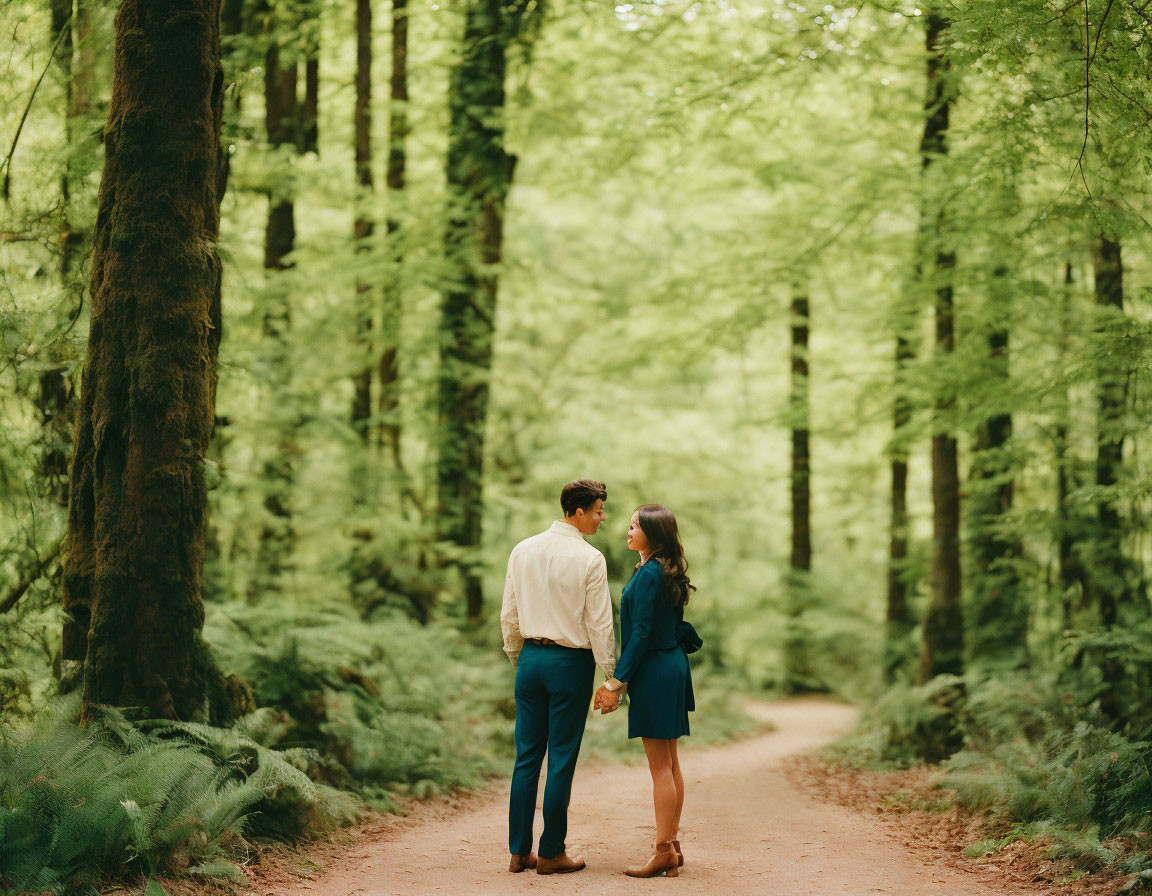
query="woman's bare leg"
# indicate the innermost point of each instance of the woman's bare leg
(679, 779)
(664, 794)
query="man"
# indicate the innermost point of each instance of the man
(557, 624)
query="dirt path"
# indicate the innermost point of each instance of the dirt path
(747, 830)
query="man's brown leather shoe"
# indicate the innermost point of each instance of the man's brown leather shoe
(561, 864)
(522, 863)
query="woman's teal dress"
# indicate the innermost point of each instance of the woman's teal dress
(652, 662)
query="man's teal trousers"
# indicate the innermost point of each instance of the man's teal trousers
(553, 690)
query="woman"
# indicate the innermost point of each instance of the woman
(654, 671)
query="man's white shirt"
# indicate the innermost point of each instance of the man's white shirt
(557, 588)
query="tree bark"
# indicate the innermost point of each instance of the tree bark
(899, 622)
(310, 124)
(56, 396)
(1071, 526)
(801, 555)
(1110, 570)
(282, 126)
(388, 365)
(942, 649)
(362, 225)
(479, 175)
(135, 542)
(61, 21)
(799, 676)
(56, 399)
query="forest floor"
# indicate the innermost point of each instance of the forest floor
(762, 816)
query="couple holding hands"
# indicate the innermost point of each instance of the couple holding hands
(557, 624)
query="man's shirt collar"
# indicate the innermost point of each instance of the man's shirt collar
(562, 528)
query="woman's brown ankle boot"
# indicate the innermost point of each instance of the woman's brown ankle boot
(679, 854)
(665, 861)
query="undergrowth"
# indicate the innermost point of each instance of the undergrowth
(76, 803)
(350, 715)
(1036, 761)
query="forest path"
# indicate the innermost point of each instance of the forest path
(748, 829)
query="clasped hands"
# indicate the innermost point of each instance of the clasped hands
(606, 700)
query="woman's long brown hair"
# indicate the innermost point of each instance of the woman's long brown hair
(658, 524)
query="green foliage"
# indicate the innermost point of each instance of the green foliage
(279, 792)
(679, 166)
(1032, 757)
(1035, 755)
(365, 698)
(148, 797)
(75, 803)
(908, 725)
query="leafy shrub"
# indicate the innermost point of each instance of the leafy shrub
(910, 725)
(1036, 759)
(384, 705)
(1087, 779)
(117, 796)
(77, 801)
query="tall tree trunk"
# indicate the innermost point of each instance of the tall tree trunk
(479, 174)
(310, 118)
(997, 614)
(231, 18)
(1110, 571)
(799, 674)
(942, 650)
(388, 366)
(362, 226)
(364, 561)
(899, 621)
(282, 125)
(1071, 527)
(1065, 482)
(55, 400)
(216, 583)
(67, 240)
(76, 59)
(135, 538)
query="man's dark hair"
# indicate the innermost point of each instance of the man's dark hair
(582, 494)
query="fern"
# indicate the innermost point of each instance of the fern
(74, 802)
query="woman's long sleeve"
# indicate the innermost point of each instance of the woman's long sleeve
(643, 598)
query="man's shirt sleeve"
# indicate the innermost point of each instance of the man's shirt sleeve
(510, 617)
(598, 616)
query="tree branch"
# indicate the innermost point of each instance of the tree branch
(30, 578)
(7, 164)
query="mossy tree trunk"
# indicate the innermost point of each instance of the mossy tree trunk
(942, 648)
(479, 174)
(135, 541)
